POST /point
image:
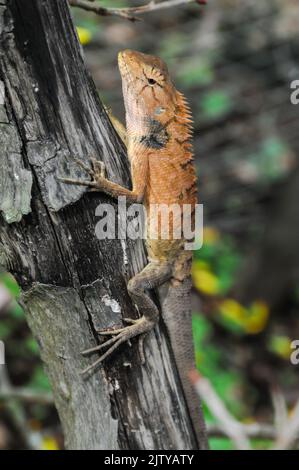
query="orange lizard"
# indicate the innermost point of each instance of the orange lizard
(158, 134)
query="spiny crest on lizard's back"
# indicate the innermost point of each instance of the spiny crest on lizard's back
(184, 117)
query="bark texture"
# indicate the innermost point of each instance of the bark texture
(72, 282)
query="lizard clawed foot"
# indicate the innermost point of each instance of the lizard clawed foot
(131, 321)
(139, 327)
(97, 173)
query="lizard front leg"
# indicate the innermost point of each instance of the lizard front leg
(153, 275)
(139, 171)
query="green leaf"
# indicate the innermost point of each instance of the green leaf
(39, 380)
(5, 329)
(201, 328)
(192, 73)
(261, 444)
(215, 104)
(11, 284)
(172, 46)
(17, 311)
(32, 346)
(273, 147)
(271, 158)
(220, 443)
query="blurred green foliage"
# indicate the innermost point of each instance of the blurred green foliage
(269, 160)
(215, 269)
(196, 74)
(19, 341)
(215, 104)
(220, 256)
(8, 281)
(172, 46)
(225, 382)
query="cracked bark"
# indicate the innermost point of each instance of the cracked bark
(73, 283)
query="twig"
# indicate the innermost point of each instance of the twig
(153, 6)
(280, 411)
(102, 11)
(131, 13)
(252, 430)
(13, 395)
(285, 431)
(230, 426)
(291, 431)
(26, 396)
(16, 411)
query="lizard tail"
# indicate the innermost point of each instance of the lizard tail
(176, 313)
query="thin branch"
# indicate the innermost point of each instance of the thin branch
(153, 6)
(280, 411)
(230, 426)
(26, 396)
(291, 432)
(102, 11)
(131, 13)
(285, 432)
(252, 430)
(15, 410)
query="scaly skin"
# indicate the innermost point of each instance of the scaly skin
(158, 125)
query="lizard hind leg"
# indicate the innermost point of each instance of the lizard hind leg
(153, 275)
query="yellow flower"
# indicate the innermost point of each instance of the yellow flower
(84, 35)
(252, 320)
(49, 443)
(204, 280)
(201, 265)
(232, 310)
(258, 317)
(281, 345)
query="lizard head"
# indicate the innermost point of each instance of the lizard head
(147, 89)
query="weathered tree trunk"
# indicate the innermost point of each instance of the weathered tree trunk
(73, 283)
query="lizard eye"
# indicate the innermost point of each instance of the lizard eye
(151, 81)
